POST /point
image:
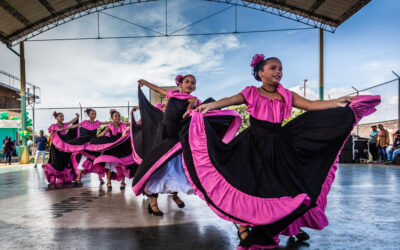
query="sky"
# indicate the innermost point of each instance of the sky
(362, 52)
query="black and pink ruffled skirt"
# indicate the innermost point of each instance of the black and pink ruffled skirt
(273, 178)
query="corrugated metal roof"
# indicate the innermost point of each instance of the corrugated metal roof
(21, 19)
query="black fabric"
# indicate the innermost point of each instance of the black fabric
(150, 119)
(61, 160)
(87, 133)
(293, 159)
(270, 161)
(163, 134)
(105, 139)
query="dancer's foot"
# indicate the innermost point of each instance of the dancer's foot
(178, 200)
(302, 236)
(153, 207)
(101, 181)
(122, 187)
(109, 187)
(78, 183)
(35, 166)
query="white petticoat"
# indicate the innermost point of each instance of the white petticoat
(169, 178)
(111, 166)
(83, 159)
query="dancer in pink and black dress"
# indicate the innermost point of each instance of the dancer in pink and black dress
(59, 169)
(270, 179)
(114, 146)
(157, 147)
(86, 131)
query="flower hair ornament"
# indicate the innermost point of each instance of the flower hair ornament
(86, 110)
(255, 62)
(257, 58)
(178, 79)
(55, 114)
(112, 111)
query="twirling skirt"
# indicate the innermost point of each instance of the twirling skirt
(270, 177)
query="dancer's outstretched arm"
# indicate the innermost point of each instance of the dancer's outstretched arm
(69, 127)
(73, 120)
(222, 103)
(107, 129)
(152, 86)
(303, 103)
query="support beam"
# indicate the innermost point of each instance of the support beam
(398, 100)
(321, 64)
(398, 104)
(48, 6)
(315, 6)
(356, 7)
(4, 39)
(14, 12)
(23, 87)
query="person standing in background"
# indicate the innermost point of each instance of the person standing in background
(373, 138)
(40, 144)
(383, 142)
(8, 150)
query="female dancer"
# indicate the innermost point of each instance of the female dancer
(115, 129)
(162, 152)
(58, 168)
(271, 178)
(87, 130)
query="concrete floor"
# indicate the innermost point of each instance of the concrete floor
(363, 210)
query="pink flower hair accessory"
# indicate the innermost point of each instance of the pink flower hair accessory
(86, 110)
(257, 58)
(112, 111)
(178, 79)
(55, 113)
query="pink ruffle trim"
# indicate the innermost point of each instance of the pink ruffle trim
(253, 210)
(315, 218)
(55, 176)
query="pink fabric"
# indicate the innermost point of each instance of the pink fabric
(102, 147)
(87, 165)
(65, 147)
(254, 210)
(266, 109)
(122, 171)
(139, 187)
(55, 127)
(183, 96)
(159, 106)
(115, 130)
(135, 155)
(127, 160)
(55, 176)
(235, 124)
(90, 126)
(315, 218)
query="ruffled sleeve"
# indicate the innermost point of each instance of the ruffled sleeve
(52, 128)
(172, 93)
(248, 94)
(90, 126)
